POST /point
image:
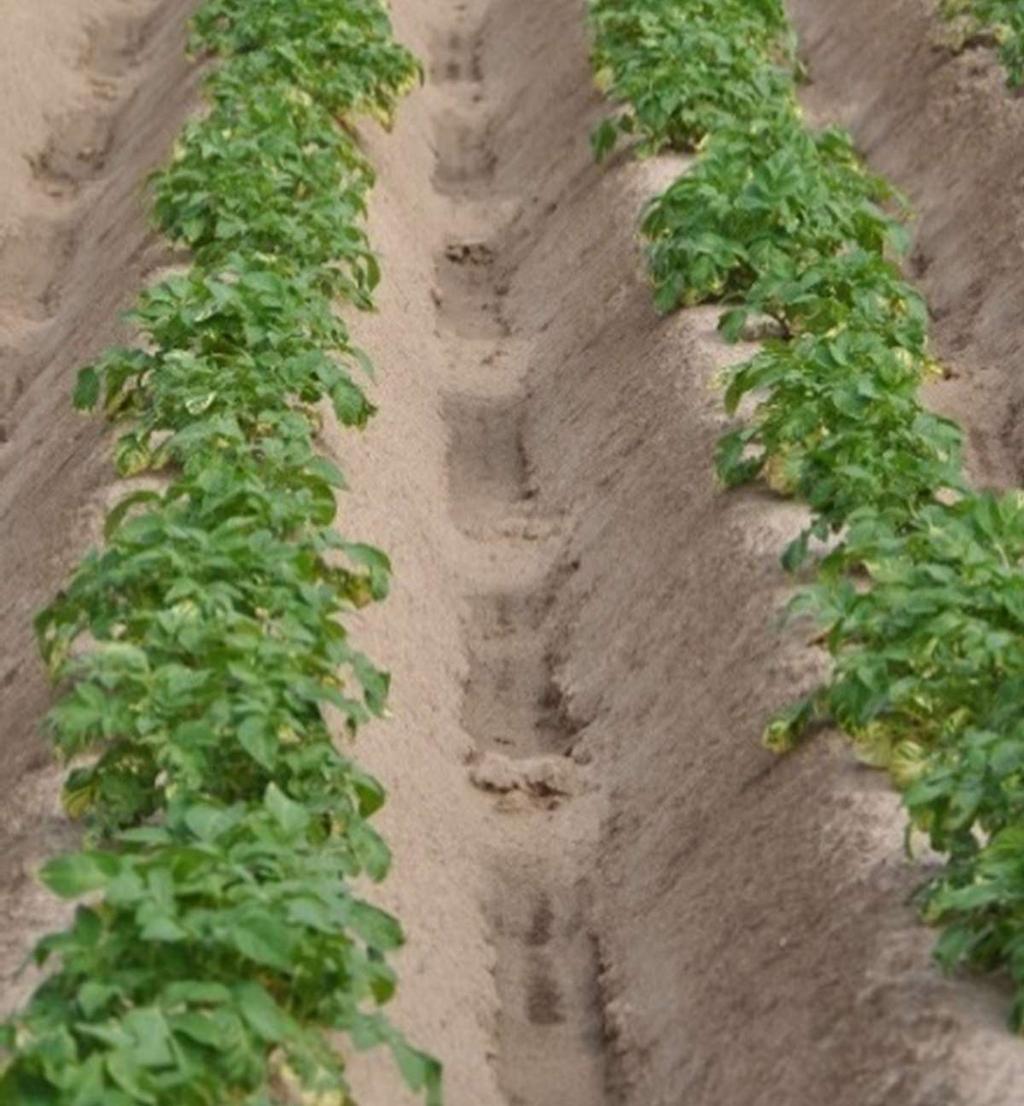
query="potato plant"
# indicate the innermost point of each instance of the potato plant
(679, 71)
(219, 946)
(920, 591)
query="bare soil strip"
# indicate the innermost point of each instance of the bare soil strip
(613, 894)
(550, 1027)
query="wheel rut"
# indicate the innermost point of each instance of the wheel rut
(552, 1042)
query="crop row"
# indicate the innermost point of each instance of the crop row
(917, 580)
(219, 943)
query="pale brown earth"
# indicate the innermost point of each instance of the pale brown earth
(93, 93)
(945, 128)
(612, 894)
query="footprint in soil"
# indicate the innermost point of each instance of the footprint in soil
(543, 1000)
(471, 253)
(543, 920)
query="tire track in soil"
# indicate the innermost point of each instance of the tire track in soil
(552, 1044)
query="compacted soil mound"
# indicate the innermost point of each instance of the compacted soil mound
(612, 893)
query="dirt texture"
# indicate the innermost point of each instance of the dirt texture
(613, 895)
(94, 92)
(946, 129)
(688, 919)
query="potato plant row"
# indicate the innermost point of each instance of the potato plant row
(916, 580)
(220, 945)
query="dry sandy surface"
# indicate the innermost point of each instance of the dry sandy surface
(94, 92)
(613, 895)
(946, 129)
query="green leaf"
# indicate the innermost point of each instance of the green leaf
(795, 553)
(87, 390)
(118, 514)
(76, 874)
(129, 1076)
(163, 928)
(258, 740)
(422, 1073)
(603, 138)
(264, 939)
(377, 928)
(93, 996)
(292, 817)
(152, 1035)
(328, 471)
(264, 1016)
(731, 324)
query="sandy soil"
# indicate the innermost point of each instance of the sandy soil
(696, 922)
(947, 130)
(94, 92)
(612, 894)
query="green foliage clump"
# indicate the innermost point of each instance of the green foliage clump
(681, 71)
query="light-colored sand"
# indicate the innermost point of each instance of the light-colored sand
(43, 76)
(612, 894)
(948, 131)
(736, 927)
(93, 93)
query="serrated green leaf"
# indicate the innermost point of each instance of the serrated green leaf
(76, 874)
